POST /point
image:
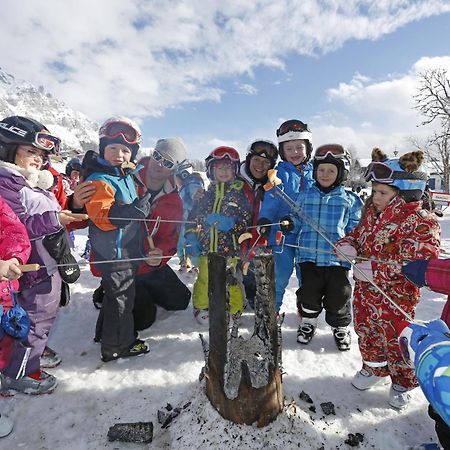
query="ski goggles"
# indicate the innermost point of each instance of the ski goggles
(378, 171)
(264, 149)
(335, 150)
(225, 152)
(113, 130)
(167, 163)
(47, 142)
(292, 125)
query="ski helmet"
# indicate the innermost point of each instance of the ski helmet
(333, 154)
(120, 130)
(184, 169)
(406, 173)
(264, 149)
(19, 130)
(73, 164)
(293, 130)
(222, 153)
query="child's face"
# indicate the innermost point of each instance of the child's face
(382, 194)
(28, 156)
(223, 171)
(117, 154)
(295, 151)
(326, 174)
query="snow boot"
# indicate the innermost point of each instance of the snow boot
(6, 425)
(49, 359)
(399, 396)
(342, 338)
(306, 330)
(363, 380)
(137, 348)
(35, 384)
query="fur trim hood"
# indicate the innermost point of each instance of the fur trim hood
(42, 179)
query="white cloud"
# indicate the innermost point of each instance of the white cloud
(141, 57)
(245, 88)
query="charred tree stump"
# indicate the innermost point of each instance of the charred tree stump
(243, 377)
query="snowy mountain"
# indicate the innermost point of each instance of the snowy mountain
(18, 97)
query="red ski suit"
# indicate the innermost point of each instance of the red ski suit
(401, 233)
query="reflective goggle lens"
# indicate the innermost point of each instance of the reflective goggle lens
(47, 142)
(264, 149)
(291, 125)
(167, 163)
(225, 152)
(115, 129)
(378, 171)
(333, 149)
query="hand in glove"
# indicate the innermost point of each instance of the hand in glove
(345, 249)
(139, 209)
(224, 223)
(192, 245)
(287, 224)
(58, 246)
(366, 269)
(414, 271)
(262, 230)
(416, 339)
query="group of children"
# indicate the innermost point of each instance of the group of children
(325, 225)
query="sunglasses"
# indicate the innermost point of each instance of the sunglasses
(113, 130)
(291, 125)
(378, 171)
(47, 142)
(335, 150)
(225, 152)
(167, 163)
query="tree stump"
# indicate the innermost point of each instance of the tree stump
(243, 376)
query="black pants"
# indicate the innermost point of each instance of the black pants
(442, 429)
(325, 288)
(249, 282)
(161, 287)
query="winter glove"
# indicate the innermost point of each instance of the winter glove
(366, 269)
(262, 230)
(224, 223)
(346, 249)
(192, 245)
(416, 339)
(414, 271)
(58, 247)
(64, 299)
(154, 257)
(139, 209)
(287, 227)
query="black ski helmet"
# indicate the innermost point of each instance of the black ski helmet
(19, 130)
(334, 154)
(293, 130)
(73, 164)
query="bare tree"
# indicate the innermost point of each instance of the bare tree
(437, 152)
(433, 97)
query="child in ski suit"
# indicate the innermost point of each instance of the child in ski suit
(432, 350)
(222, 214)
(189, 183)
(394, 228)
(335, 211)
(261, 156)
(25, 145)
(15, 249)
(295, 148)
(115, 212)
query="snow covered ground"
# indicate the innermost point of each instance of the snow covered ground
(92, 396)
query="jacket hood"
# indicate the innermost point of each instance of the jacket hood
(42, 179)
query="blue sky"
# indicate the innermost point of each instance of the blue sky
(229, 71)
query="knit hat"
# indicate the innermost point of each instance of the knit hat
(172, 148)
